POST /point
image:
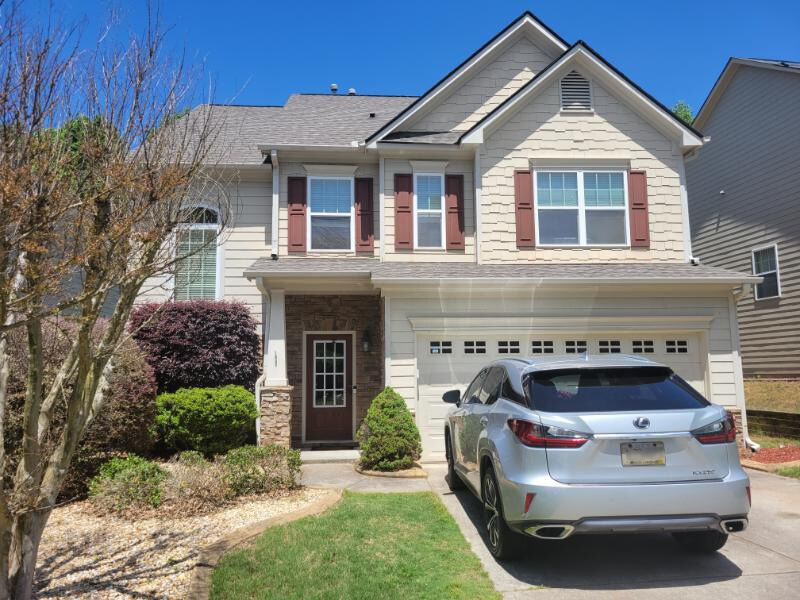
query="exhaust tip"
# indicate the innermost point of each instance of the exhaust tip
(733, 525)
(550, 532)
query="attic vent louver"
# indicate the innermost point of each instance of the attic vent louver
(576, 93)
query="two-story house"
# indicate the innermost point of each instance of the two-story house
(745, 203)
(533, 201)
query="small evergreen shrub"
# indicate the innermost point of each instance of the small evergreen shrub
(125, 483)
(207, 420)
(388, 436)
(261, 469)
(199, 343)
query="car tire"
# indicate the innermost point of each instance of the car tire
(701, 541)
(503, 543)
(453, 480)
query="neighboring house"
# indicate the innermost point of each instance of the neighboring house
(533, 201)
(744, 203)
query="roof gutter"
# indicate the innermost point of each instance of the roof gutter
(537, 281)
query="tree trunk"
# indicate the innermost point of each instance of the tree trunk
(27, 534)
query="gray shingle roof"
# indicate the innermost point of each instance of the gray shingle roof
(306, 120)
(418, 271)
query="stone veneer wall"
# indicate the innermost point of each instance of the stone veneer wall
(276, 412)
(334, 313)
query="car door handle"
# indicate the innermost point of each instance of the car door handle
(484, 420)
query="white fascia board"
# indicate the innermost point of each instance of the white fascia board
(528, 282)
(595, 68)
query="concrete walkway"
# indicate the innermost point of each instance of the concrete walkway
(762, 562)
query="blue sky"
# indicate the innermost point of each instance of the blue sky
(259, 52)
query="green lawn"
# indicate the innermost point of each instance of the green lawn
(789, 472)
(366, 547)
(770, 441)
(770, 394)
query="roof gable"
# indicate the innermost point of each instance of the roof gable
(526, 25)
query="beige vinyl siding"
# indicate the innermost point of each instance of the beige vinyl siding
(296, 169)
(540, 131)
(454, 167)
(471, 101)
(721, 366)
(754, 157)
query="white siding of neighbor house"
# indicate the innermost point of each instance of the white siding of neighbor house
(472, 100)
(721, 372)
(454, 167)
(541, 131)
(246, 239)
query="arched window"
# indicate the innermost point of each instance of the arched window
(197, 249)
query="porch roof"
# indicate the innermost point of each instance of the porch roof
(420, 272)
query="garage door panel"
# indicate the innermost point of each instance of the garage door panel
(440, 369)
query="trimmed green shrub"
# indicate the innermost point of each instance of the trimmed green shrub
(388, 436)
(261, 469)
(208, 420)
(132, 482)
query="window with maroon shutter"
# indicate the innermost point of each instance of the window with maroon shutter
(637, 198)
(523, 206)
(296, 189)
(365, 236)
(403, 211)
(454, 205)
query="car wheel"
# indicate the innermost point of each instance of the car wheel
(701, 541)
(453, 480)
(504, 544)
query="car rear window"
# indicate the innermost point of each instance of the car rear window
(612, 389)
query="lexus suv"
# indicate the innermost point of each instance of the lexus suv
(559, 446)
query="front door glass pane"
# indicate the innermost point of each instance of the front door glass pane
(329, 373)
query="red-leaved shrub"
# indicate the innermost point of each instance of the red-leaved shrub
(199, 343)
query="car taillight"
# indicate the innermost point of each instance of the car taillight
(718, 432)
(546, 436)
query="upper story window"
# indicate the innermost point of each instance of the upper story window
(581, 208)
(197, 251)
(429, 219)
(576, 93)
(765, 264)
(330, 213)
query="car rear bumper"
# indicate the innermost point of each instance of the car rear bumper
(609, 508)
(560, 531)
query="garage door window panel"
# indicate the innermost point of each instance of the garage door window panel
(581, 208)
(475, 347)
(508, 347)
(575, 346)
(542, 347)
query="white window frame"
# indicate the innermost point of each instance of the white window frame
(581, 208)
(777, 270)
(174, 243)
(351, 214)
(441, 212)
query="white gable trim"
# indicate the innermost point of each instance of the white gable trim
(527, 24)
(585, 60)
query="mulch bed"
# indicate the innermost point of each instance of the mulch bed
(776, 455)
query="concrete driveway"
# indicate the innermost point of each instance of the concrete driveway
(762, 562)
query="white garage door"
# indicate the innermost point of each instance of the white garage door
(447, 361)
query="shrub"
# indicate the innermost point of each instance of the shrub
(195, 485)
(388, 435)
(200, 343)
(192, 458)
(131, 482)
(208, 420)
(261, 469)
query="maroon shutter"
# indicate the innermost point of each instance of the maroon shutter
(403, 211)
(365, 229)
(297, 214)
(637, 197)
(454, 211)
(523, 204)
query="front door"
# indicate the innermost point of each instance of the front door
(329, 388)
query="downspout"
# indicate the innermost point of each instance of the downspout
(477, 182)
(276, 198)
(733, 302)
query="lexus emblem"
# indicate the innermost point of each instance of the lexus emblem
(641, 422)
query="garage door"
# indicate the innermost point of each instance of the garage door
(447, 361)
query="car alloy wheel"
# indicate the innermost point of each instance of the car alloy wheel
(490, 508)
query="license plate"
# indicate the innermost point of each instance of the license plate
(643, 454)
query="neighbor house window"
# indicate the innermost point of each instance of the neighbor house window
(196, 251)
(765, 264)
(429, 210)
(330, 213)
(581, 208)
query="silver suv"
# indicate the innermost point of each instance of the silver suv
(568, 445)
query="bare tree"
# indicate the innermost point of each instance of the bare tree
(98, 162)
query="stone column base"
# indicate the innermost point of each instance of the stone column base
(737, 417)
(276, 416)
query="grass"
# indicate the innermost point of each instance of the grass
(367, 546)
(770, 394)
(789, 472)
(769, 441)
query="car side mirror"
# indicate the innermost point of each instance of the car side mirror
(452, 397)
